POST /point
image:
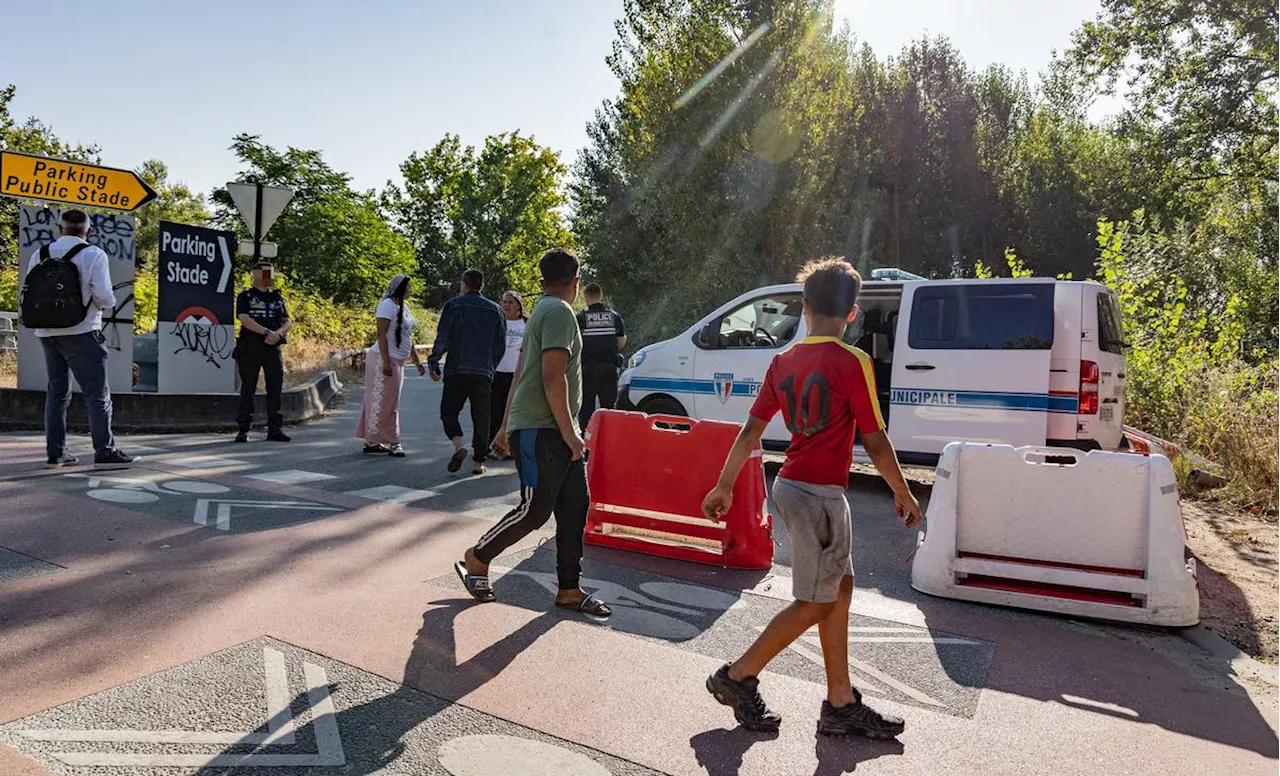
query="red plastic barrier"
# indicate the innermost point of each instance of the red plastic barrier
(1142, 442)
(648, 475)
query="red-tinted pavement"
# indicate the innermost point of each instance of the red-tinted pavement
(102, 589)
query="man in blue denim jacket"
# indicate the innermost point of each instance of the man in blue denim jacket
(473, 334)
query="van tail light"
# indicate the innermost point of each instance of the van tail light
(1088, 388)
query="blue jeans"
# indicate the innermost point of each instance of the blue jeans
(85, 356)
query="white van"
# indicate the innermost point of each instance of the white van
(1027, 361)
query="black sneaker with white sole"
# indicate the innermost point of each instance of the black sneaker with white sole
(858, 719)
(62, 460)
(116, 459)
(744, 698)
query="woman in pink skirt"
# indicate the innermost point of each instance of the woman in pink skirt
(379, 424)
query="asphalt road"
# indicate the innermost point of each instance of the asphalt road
(259, 609)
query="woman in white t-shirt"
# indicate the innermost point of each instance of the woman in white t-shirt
(379, 424)
(513, 308)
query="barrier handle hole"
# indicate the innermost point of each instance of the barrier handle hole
(673, 423)
(1051, 457)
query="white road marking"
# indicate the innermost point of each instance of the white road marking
(865, 602)
(204, 462)
(280, 722)
(329, 752)
(194, 486)
(392, 493)
(223, 515)
(324, 718)
(122, 496)
(291, 477)
(905, 689)
(869, 688)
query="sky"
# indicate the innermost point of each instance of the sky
(368, 83)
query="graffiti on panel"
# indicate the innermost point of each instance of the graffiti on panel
(213, 342)
(114, 234)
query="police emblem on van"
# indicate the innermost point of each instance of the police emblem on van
(723, 385)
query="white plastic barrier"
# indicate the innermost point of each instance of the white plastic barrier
(1092, 535)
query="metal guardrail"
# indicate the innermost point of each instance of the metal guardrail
(8, 331)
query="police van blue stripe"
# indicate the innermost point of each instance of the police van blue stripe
(906, 397)
(672, 385)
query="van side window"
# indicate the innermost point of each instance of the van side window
(766, 322)
(1003, 316)
(1110, 332)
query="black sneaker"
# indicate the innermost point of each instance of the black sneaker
(858, 719)
(115, 459)
(62, 460)
(278, 436)
(744, 698)
(242, 437)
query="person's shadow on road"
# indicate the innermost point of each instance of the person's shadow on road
(721, 752)
(373, 733)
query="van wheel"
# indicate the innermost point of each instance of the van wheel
(663, 405)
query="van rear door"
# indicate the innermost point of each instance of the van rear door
(1109, 335)
(971, 363)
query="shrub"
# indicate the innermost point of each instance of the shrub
(1190, 379)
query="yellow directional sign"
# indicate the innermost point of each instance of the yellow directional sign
(73, 183)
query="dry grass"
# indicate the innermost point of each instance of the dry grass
(8, 369)
(1233, 423)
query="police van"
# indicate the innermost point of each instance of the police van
(1025, 361)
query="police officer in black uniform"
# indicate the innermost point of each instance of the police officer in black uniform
(264, 322)
(603, 337)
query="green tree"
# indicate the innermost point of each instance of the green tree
(29, 137)
(1200, 77)
(496, 209)
(174, 201)
(333, 241)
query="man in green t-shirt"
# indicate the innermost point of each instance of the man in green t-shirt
(541, 432)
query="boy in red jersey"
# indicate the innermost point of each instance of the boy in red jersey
(825, 390)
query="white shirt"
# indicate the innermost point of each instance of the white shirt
(95, 284)
(388, 310)
(515, 338)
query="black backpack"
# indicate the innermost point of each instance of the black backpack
(51, 295)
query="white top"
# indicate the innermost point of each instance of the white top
(515, 338)
(389, 310)
(95, 284)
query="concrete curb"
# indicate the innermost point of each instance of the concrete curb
(1241, 664)
(172, 412)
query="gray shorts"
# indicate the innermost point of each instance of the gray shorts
(818, 521)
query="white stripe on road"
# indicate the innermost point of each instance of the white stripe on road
(280, 722)
(291, 477)
(392, 493)
(324, 722)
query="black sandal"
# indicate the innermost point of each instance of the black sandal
(589, 605)
(477, 586)
(455, 463)
(375, 449)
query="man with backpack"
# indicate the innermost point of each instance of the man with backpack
(67, 287)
